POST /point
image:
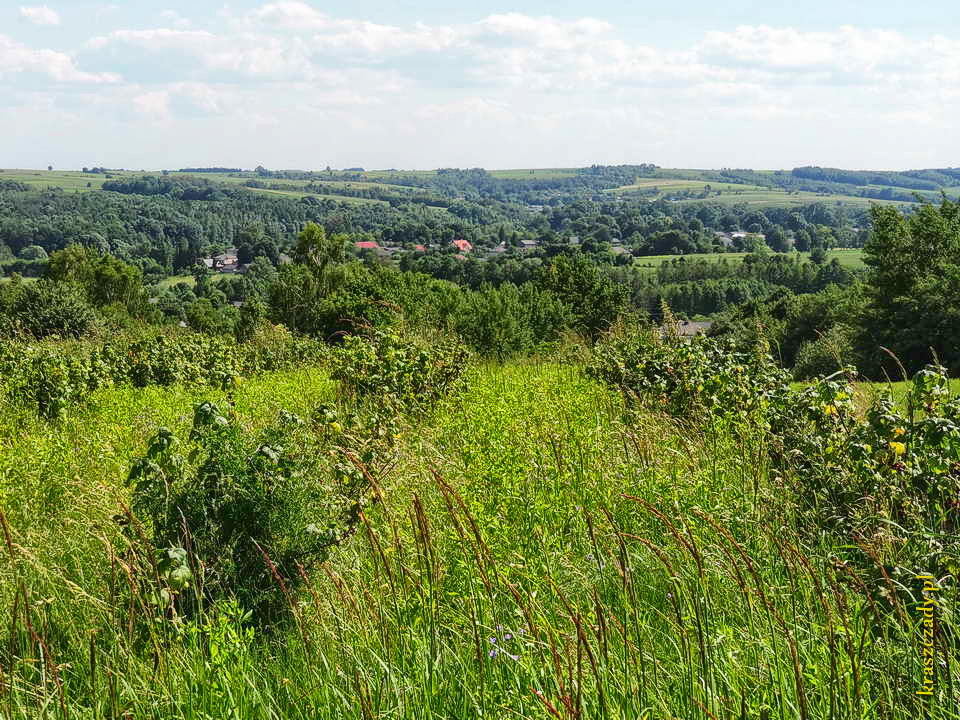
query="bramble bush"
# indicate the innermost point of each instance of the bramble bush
(887, 475)
(686, 377)
(52, 376)
(890, 474)
(238, 515)
(401, 371)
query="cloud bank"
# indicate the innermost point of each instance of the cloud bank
(287, 84)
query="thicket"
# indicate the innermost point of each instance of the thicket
(887, 472)
(52, 376)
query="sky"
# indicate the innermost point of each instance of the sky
(420, 84)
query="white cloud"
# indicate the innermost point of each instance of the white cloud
(39, 15)
(154, 105)
(16, 58)
(512, 81)
(172, 17)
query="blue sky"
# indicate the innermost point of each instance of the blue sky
(529, 83)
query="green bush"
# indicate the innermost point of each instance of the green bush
(236, 514)
(825, 355)
(398, 370)
(54, 375)
(687, 377)
(45, 308)
(889, 471)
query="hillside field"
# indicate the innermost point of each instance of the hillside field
(852, 259)
(541, 550)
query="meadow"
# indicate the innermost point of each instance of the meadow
(850, 258)
(540, 548)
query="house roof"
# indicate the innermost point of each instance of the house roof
(366, 245)
(462, 245)
(419, 248)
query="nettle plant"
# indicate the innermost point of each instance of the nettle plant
(240, 515)
(399, 371)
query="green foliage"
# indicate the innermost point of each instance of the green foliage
(507, 321)
(400, 371)
(53, 376)
(235, 514)
(913, 288)
(830, 352)
(44, 309)
(884, 472)
(890, 473)
(596, 299)
(687, 377)
(505, 550)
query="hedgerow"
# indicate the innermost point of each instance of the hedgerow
(400, 371)
(52, 376)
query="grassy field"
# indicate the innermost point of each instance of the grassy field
(732, 193)
(852, 259)
(514, 570)
(667, 182)
(65, 180)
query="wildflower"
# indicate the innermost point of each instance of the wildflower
(898, 448)
(897, 432)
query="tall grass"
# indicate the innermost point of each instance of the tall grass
(541, 551)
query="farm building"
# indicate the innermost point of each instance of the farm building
(462, 245)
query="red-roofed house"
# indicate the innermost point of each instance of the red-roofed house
(367, 245)
(419, 248)
(462, 245)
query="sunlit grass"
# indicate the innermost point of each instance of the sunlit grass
(542, 551)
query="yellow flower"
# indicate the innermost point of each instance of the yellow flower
(898, 448)
(830, 409)
(897, 432)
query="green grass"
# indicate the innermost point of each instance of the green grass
(852, 259)
(65, 180)
(535, 173)
(189, 279)
(505, 561)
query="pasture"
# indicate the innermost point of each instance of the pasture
(852, 259)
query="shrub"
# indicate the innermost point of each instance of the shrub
(400, 371)
(686, 377)
(44, 308)
(888, 471)
(825, 355)
(52, 376)
(237, 514)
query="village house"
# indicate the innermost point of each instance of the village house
(226, 262)
(462, 245)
